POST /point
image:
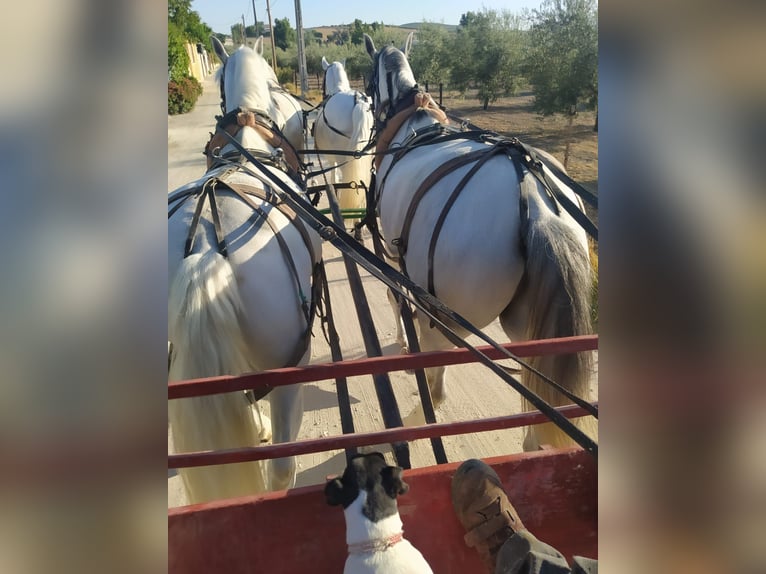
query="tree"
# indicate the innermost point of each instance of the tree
(188, 22)
(255, 31)
(486, 54)
(562, 58)
(236, 33)
(359, 29)
(184, 25)
(430, 56)
(284, 34)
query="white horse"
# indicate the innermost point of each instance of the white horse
(290, 109)
(344, 122)
(240, 300)
(480, 232)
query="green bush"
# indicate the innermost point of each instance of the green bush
(285, 75)
(178, 59)
(183, 94)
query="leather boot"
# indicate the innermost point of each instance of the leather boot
(483, 508)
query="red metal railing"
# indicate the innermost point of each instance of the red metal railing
(293, 375)
(367, 366)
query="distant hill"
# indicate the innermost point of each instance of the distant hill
(418, 25)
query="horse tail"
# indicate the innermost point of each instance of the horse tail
(358, 169)
(205, 328)
(558, 293)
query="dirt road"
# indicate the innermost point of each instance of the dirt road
(472, 390)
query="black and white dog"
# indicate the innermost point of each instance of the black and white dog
(368, 490)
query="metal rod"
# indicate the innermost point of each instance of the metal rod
(192, 459)
(372, 365)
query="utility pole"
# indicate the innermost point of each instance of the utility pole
(301, 49)
(271, 34)
(244, 31)
(255, 19)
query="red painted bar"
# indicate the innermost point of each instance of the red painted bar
(370, 365)
(554, 492)
(208, 458)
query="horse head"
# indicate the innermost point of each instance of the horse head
(244, 79)
(250, 113)
(391, 82)
(335, 77)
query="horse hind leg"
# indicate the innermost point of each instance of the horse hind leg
(400, 337)
(262, 422)
(286, 414)
(431, 339)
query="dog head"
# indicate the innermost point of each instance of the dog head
(369, 473)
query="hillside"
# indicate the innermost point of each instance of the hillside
(418, 25)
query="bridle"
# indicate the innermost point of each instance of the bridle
(222, 89)
(373, 90)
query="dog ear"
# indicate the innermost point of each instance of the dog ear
(392, 481)
(333, 492)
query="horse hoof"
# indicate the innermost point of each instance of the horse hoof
(358, 235)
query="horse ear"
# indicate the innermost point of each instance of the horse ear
(259, 46)
(325, 63)
(333, 492)
(220, 51)
(408, 44)
(392, 481)
(370, 45)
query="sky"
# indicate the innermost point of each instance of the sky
(220, 15)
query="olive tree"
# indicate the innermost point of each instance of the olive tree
(562, 56)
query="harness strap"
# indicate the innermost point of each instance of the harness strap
(448, 167)
(494, 150)
(189, 244)
(422, 101)
(244, 191)
(536, 167)
(231, 123)
(327, 122)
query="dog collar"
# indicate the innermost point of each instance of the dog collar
(377, 545)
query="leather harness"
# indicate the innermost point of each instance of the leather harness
(238, 118)
(245, 192)
(520, 154)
